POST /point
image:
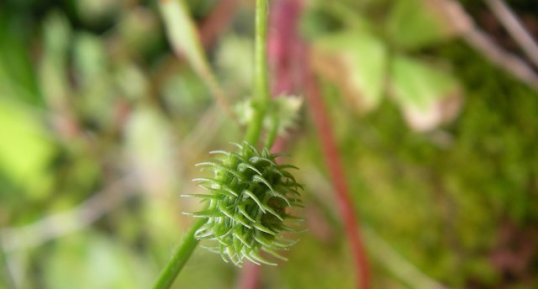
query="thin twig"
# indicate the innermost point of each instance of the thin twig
(395, 263)
(217, 20)
(512, 24)
(479, 40)
(75, 219)
(379, 248)
(212, 26)
(200, 136)
(185, 39)
(343, 196)
(7, 270)
(91, 210)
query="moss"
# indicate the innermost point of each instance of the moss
(442, 205)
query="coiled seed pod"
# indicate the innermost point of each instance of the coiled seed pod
(248, 205)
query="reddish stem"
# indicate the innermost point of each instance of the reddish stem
(282, 18)
(217, 21)
(250, 275)
(332, 159)
(287, 52)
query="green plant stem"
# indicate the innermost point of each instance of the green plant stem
(272, 133)
(181, 255)
(261, 103)
(261, 79)
(4, 268)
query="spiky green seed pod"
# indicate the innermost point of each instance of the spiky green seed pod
(248, 205)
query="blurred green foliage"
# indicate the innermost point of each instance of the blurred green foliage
(90, 93)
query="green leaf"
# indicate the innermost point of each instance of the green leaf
(416, 23)
(17, 77)
(140, 31)
(94, 79)
(25, 150)
(91, 261)
(427, 95)
(356, 61)
(95, 12)
(90, 60)
(185, 40)
(183, 34)
(234, 60)
(53, 74)
(150, 150)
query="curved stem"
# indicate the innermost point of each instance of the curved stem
(181, 255)
(261, 80)
(185, 40)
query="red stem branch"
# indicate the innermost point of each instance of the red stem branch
(287, 52)
(249, 276)
(217, 20)
(332, 159)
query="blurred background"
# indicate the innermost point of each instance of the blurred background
(433, 103)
